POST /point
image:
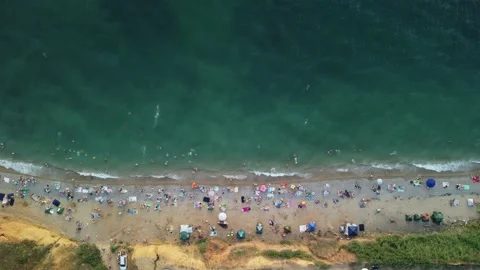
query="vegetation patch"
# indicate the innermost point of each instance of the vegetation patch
(87, 256)
(22, 255)
(286, 242)
(202, 245)
(447, 247)
(324, 248)
(242, 253)
(287, 254)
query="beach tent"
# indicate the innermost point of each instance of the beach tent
(417, 217)
(430, 183)
(2, 195)
(312, 226)
(56, 203)
(132, 199)
(437, 217)
(408, 217)
(470, 202)
(222, 216)
(259, 228)
(49, 210)
(352, 230)
(241, 234)
(12, 201)
(60, 210)
(184, 236)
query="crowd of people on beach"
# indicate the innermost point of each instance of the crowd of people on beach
(262, 197)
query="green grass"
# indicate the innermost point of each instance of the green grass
(286, 242)
(242, 253)
(202, 245)
(23, 255)
(286, 254)
(448, 247)
(321, 265)
(88, 257)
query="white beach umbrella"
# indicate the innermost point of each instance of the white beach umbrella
(379, 181)
(222, 216)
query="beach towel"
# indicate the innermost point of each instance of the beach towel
(246, 209)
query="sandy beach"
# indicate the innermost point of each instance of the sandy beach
(152, 223)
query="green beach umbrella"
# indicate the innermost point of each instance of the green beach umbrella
(437, 217)
(184, 236)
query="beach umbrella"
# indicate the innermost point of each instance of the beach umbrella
(379, 181)
(184, 236)
(312, 226)
(222, 216)
(263, 188)
(430, 183)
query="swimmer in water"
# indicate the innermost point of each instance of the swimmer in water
(157, 115)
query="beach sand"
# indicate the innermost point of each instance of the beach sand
(148, 230)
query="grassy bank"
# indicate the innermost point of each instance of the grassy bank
(22, 255)
(27, 255)
(458, 245)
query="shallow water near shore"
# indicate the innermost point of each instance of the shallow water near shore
(158, 89)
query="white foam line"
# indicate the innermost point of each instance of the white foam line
(274, 173)
(98, 175)
(452, 166)
(170, 175)
(237, 177)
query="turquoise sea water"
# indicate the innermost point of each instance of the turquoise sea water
(216, 84)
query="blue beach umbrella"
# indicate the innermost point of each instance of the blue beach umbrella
(430, 183)
(312, 226)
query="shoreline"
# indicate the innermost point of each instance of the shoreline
(238, 177)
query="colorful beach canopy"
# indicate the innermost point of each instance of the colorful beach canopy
(430, 183)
